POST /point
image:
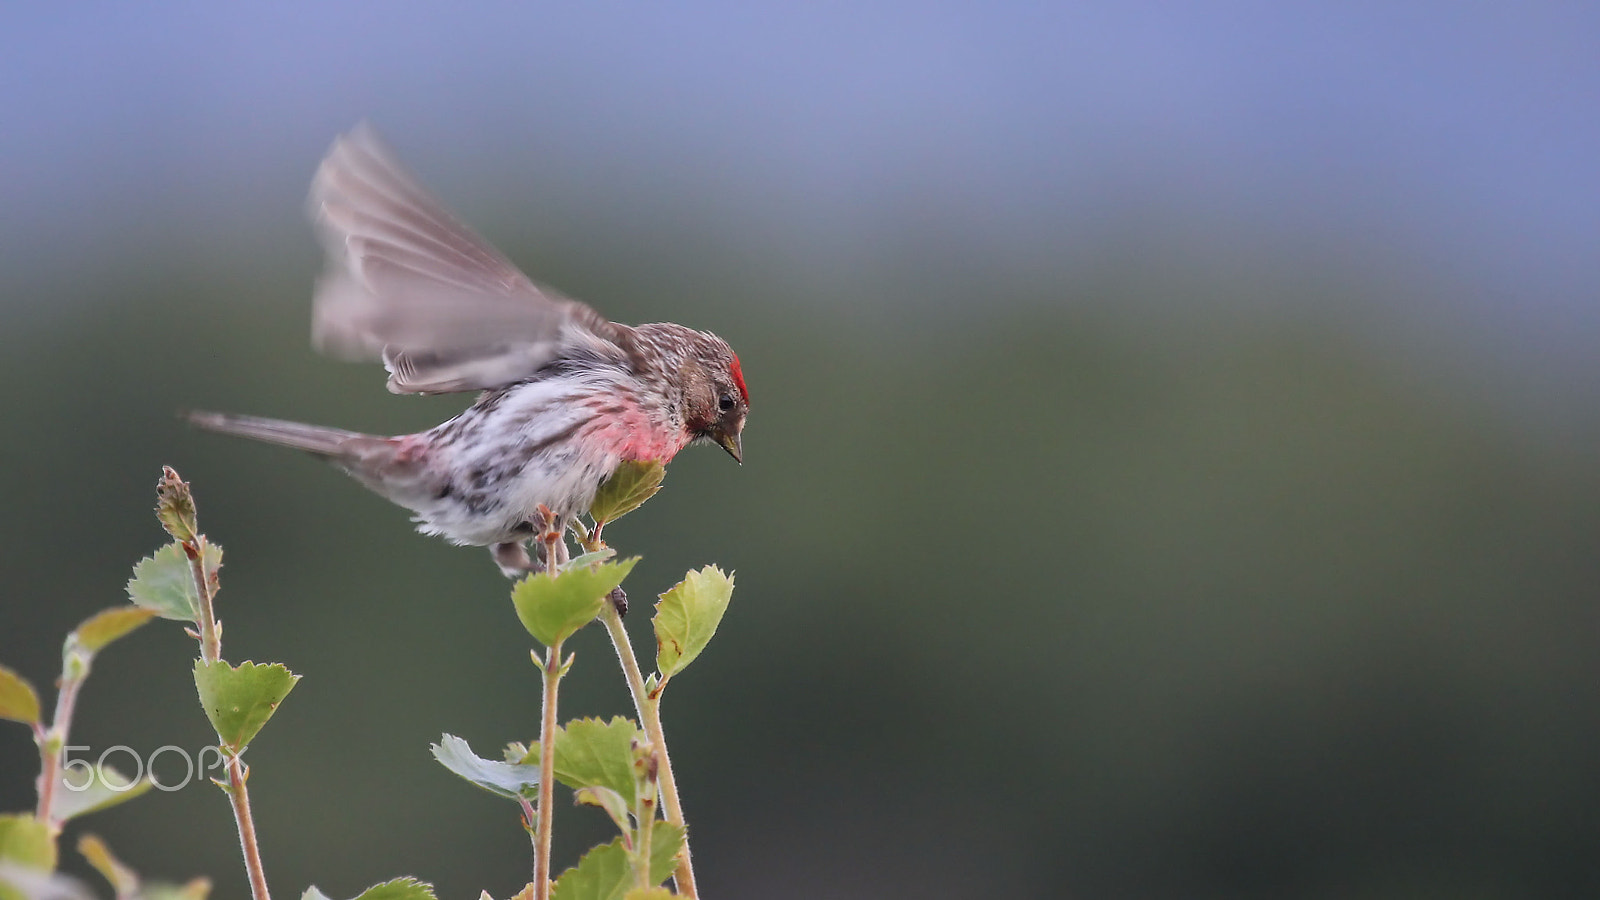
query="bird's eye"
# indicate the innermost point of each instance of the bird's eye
(725, 403)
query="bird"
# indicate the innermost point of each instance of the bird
(566, 396)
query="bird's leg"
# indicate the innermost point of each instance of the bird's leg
(550, 538)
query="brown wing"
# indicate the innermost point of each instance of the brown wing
(408, 283)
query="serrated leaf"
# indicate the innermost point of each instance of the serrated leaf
(108, 625)
(592, 753)
(633, 483)
(406, 888)
(26, 842)
(554, 608)
(653, 893)
(19, 702)
(164, 581)
(604, 873)
(103, 787)
(687, 616)
(124, 881)
(666, 842)
(239, 700)
(504, 779)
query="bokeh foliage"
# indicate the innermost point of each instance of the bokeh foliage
(1058, 585)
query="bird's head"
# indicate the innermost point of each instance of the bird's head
(715, 400)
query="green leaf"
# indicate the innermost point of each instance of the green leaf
(592, 753)
(666, 842)
(608, 800)
(633, 483)
(96, 788)
(554, 608)
(26, 841)
(653, 893)
(238, 701)
(164, 581)
(124, 881)
(604, 873)
(195, 889)
(108, 625)
(127, 883)
(687, 616)
(590, 558)
(406, 888)
(505, 779)
(19, 702)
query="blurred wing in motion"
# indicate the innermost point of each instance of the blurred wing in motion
(409, 284)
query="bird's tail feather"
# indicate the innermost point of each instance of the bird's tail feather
(310, 438)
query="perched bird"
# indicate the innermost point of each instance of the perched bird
(567, 395)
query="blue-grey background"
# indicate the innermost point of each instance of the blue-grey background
(1172, 470)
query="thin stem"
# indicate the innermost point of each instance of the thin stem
(210, 632)
(49, 771)
(684, 874)
(649, 709)
(238, 773)
(580, 532)
(53, 744)
(547, 774)
(239, 798)
(645, 815)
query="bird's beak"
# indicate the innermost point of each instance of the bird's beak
(732, 444)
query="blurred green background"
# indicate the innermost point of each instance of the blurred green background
(1172, 467)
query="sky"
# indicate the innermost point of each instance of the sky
(1455, 140)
